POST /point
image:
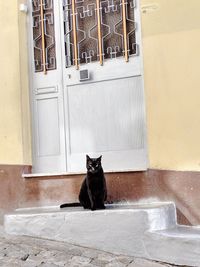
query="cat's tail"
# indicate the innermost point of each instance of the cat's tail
(65, 205)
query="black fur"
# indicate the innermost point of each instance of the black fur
(93, 190)
(70, 205)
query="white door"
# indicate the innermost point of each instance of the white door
(103, 84)
(92, 102)
(49, 153)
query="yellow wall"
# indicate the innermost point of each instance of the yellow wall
(13, 130)
(24, 86)
(171, 47)
(10, 107)
(171, 43)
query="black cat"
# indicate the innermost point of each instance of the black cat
(93, 191)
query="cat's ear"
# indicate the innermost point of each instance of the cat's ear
(87, 157)
(100, 158)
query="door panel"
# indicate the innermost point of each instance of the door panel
(48, 127)
(46, 87)
(106, 117)
(104, 114)
(87, 84)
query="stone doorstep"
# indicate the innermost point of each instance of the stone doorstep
(179, 245)
(147, 230)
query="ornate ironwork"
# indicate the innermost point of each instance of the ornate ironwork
(99, 31)
(105, 29)
(43, 35)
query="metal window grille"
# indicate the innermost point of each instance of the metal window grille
(98, 30)
(43, 35)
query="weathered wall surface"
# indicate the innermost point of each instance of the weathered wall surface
(180, 187)
(10, 94)
(14, 109)
(171, 41)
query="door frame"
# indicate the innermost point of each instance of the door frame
(61, 93)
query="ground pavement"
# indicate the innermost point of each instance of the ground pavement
(18, 251)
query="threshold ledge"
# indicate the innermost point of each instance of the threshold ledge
(35, 175)
(52, 174)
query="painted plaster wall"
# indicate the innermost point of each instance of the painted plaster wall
(10, 95)
(171, 41)
(14, 109)
(24, 86)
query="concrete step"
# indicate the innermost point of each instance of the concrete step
(147, 230)
(117, 229)
(179, 245)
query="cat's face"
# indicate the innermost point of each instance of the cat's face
(93, 165)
